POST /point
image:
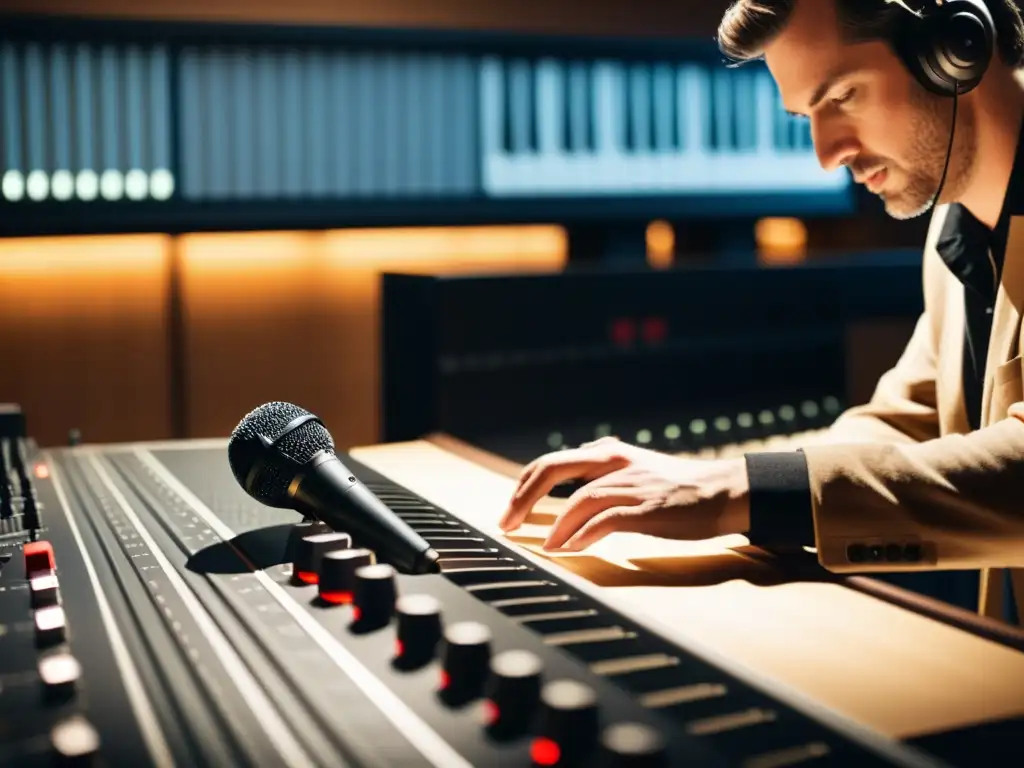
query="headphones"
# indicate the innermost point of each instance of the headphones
(948, 47)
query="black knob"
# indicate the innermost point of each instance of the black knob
(632, 745)
(569, 724)
(466, 660)
(310, 551)
(374, 595)
(300, 530)
(338, 573)
(512, 691)
(419, 628)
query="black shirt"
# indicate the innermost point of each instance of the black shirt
(780, 491)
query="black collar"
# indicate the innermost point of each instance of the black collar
(964, 243)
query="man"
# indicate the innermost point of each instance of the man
(930, 473)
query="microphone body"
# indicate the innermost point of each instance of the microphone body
(283, 456)
(327, 490)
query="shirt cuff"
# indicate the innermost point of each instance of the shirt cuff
(781, 515)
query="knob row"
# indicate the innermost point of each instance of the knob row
(510, 684)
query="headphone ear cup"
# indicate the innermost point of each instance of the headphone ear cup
(949, 50)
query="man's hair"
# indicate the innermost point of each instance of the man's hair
(750, 25)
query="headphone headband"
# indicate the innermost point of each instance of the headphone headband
(948, 46)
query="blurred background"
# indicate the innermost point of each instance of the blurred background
(527, 224)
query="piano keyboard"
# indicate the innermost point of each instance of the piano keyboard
(93, 121)
(582, 128)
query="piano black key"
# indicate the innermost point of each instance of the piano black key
(533, 138)
(507, 107)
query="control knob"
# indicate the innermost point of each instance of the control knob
(300, 530)
(338, 574)
(419, 629)
(310, 551)
(465, 661)
(374, 596)
(512, 691)
(632, 745)
(568, 729)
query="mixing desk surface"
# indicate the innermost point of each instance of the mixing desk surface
(153, 614)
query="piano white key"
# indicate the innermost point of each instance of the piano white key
(639, 107)
(549, 107)
(581, 110)
(766, 98)
(521, 92)
(724, 114)
(609, 127)
(112, 125)
(490, 114)
(664, 114)
(744, 110)
(390, 134)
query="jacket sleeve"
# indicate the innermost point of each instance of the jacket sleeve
(954, 502)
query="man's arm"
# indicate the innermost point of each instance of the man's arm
(902, 410)
(953, 503)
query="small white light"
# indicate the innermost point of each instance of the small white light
(161, 184)
(13, 186)
(111, 185)
(136, 184)
(555, 440)
(87, 185)
(62, 185)
(37, 185)
(643, 436)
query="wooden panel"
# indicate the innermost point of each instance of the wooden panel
(611, 17)
(885, 667)
(295, 315)
(84, 335)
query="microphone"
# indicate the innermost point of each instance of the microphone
(284, 457)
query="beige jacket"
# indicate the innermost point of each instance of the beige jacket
(906, 469)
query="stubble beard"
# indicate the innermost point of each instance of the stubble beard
(926, 158)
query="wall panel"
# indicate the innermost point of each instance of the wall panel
(84, 336)
(295, 315)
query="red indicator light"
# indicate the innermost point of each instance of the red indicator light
(356, 613)
(446, 680)
(655, 330)
(338, 598)
(307, 577)
(491, 713)
(623, 331)
(399, 648)
(42, 471)
(545, 752)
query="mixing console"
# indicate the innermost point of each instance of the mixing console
(152, 613)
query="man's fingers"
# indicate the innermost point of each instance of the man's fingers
(600, 525)
(534, 487)
(585, 505)
(551, 470)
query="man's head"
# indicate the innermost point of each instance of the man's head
(834, 61)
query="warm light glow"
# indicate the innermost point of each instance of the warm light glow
(661, 244)
(315, 297)
(340, 597)
(781, 240)
(544, 751)
(86, 319)
(42, 471)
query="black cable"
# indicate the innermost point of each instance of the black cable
(949, 149)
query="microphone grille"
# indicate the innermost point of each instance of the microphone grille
(279, 462)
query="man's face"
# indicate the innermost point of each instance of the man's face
(868, 113)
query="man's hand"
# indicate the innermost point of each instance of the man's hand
(633, 489)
